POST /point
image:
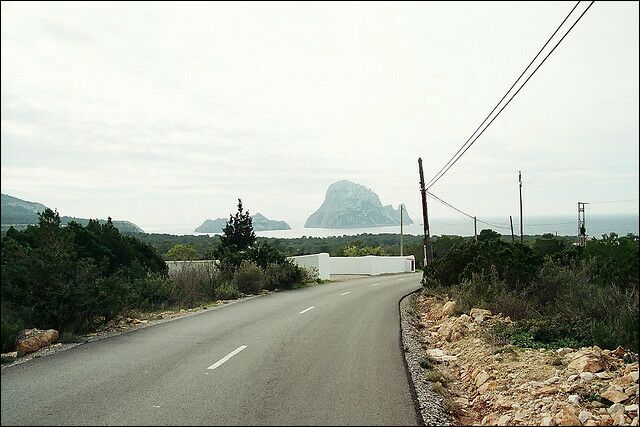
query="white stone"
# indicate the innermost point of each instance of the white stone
(574, 399)
(552, 380)
(616, 408)
(564, 351)
(586, 376)
(548, 421)
(584, 416)
(631, 408)
(604, 375)
(572, 378)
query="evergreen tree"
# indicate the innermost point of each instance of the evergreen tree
(238, 232)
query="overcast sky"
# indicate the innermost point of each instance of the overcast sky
(164, 114)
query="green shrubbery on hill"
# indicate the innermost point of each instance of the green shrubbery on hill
(558, 294)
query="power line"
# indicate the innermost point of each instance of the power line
(445, 203)
(506, 93)
(471, 139)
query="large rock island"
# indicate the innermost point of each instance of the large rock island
(351, 205)
(259, 221)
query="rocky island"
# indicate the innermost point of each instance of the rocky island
(259, 221)
(351, 205)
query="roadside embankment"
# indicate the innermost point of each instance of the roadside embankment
(486, 381)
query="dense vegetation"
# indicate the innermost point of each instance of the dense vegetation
(558, 294)
(72, 278)
(75, 278)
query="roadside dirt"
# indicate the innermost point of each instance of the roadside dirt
(488, 382)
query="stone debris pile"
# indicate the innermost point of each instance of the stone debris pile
(493, 383)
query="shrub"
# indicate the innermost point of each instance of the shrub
(227, 291)
(195, 283)
(249, 278)
(11, 325)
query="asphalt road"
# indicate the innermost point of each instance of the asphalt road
(266, 360)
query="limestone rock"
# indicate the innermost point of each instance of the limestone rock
(482, 378)
(567, 417)
(586, 376)
(448, 308)
(614, 396)
(487, 386)
(30, 340)
(574, 399)
(615, 409)
(589, 360)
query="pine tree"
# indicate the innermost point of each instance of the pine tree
(238, 232)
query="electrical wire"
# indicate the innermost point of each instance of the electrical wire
(471, 139)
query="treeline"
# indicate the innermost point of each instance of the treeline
(557, 293)
(205, 247)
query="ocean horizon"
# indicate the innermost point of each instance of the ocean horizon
(562, 225)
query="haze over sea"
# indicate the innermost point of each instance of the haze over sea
(564, 225)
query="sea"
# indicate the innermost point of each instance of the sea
(596, 226)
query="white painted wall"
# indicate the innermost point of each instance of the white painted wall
(372, 265)
(319, 262)
(175, 266)
(366, 265)
(325, 265)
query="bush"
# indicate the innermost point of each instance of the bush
(11, 325)
(571, 297)
(195, 283)
(227, 291)
(249, 278)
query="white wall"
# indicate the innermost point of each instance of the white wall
(325, 265)
(175, 266)
(371, 265)
(320, 262)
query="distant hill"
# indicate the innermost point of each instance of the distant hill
(350, 205)
(19, 213)
(259, 221)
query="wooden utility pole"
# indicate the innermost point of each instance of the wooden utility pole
(401, 242)
(428, 254)
(521, 225)
(475, 228)
(513, 239)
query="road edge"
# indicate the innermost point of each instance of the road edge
(428, 404)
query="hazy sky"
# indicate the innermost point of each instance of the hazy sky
(164, 114)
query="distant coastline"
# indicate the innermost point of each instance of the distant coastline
(564, 225)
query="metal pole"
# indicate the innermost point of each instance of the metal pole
(428, 254)
(401, 242)
(521, 225)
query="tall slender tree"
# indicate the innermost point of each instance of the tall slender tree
(238, 231)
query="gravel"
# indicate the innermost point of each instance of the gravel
(430, 403)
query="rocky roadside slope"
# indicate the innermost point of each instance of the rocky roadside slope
(488, 382)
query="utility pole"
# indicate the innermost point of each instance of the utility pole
(513, 239)
(521, 225)
(582, 224)
(401, 242)
(475, 228)
(428, 254)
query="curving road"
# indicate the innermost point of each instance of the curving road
(328, 354)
